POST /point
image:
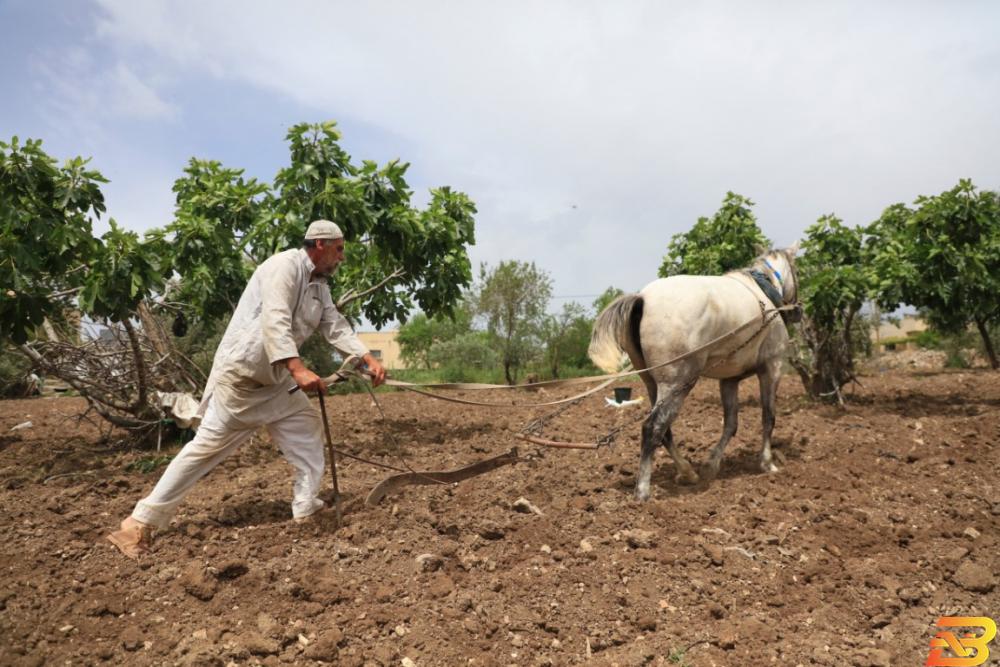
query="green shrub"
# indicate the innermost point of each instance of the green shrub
(148, 464)
(14, 371)
(928, 339)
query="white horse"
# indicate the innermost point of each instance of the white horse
(682, 315)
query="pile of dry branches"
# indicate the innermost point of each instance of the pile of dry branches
(118, 368)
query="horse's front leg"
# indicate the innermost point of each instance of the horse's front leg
(769, 377)
(730, 390)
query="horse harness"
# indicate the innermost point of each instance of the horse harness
(763, 281)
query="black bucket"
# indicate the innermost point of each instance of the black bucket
(623, 394)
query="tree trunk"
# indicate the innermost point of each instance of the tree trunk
(827, 367)
(987, 343)
(50, 331)
(154, 333)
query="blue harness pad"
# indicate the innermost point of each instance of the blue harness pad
(766, 286)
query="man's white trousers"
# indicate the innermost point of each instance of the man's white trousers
(299, 436)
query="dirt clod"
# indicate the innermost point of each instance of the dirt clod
(639, 539)
(974, 577)
(198, 582)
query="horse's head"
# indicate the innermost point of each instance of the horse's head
(780, 263)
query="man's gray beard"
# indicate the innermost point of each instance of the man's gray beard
(331, 271)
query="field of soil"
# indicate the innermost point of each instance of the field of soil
(883, 517)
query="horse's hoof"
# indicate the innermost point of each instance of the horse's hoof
(768, 467)
(709, 472)
(689, 478)
(642, 495)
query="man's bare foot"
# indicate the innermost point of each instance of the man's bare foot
(133, 538)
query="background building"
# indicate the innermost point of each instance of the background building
(384, 347)
(898, 334)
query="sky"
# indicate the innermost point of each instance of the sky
(587, 133)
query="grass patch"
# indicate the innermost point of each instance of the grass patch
(148, 464)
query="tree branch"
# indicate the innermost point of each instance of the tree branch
(79, 384)
(354, 295)
(140, 365)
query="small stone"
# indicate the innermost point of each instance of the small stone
(384, 593)
(957, 553)
(66, 629)
(525, 506)
(400, 630)
(491, 531)
(727, 639)
(232, 569)
(257, 644)
(715, 554)
(881, 620)
(407, 662)
(821, 655)
(326, 646)
(429, 562)
(971, 533)
(517, 641)
(639, 539)
(871, 657)
(545, 549)
(266, 623)
(585, 546)
(647, 624)
(200, 634)
(131, 639)
(974, 577)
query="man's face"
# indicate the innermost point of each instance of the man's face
(330, 254)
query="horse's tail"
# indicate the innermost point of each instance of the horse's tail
(615, 331)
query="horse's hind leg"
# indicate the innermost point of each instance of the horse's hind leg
(769, 378)
(729, 388)
(656, 429)
(652, 431)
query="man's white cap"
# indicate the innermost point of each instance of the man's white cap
(323, 229)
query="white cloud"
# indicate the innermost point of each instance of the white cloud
(73, 86)
(130, 97)
(641, 115)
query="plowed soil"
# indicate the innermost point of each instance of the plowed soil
(883, 517)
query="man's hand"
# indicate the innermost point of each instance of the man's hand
(305, 378)
(374, 369)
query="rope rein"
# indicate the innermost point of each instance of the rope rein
(767, 316)
(534, 428)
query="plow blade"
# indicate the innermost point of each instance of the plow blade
(392, 484)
